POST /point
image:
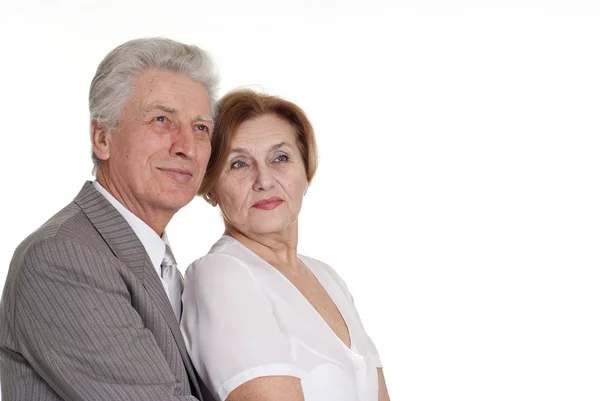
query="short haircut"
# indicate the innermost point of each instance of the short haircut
(112, 85)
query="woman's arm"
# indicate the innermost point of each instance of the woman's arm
(383, 392)
(272, 388)
(233, 338)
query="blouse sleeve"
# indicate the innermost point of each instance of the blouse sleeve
(229, 327)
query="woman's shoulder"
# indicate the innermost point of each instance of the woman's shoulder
(225, 248)
(224, 257)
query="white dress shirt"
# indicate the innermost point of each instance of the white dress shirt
(154, 245)
(243, 319)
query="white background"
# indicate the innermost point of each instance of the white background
(458, 189)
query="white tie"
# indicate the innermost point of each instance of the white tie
(170, 275)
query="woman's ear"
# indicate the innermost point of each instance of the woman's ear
(211, 199)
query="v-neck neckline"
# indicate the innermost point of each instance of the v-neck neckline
(352, 346)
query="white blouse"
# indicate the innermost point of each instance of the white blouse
(243, 319)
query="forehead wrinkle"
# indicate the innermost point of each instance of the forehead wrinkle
(245, 150)
(155, 89)
(159, 97)
(261, 132)
(261, 136)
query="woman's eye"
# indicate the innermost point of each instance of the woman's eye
(281, 158)
(238, 164)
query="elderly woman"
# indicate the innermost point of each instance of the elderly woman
(262, 322)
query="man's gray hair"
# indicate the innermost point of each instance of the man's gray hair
(113, 82)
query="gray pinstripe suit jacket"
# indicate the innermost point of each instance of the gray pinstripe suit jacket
(84, 315)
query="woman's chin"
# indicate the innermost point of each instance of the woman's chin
(268, 228)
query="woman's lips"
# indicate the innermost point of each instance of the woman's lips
(268, 204)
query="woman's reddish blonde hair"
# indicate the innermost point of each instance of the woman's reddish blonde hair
(240, 106)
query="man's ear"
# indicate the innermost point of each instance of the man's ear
(100, 141)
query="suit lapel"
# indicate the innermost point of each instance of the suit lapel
(127, 247)
(157, 292)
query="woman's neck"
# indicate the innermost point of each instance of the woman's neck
(278, 249)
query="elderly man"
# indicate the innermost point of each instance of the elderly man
(92, 301)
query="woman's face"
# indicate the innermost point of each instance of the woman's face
(261, 188)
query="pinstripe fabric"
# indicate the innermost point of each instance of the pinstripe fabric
(84, 315)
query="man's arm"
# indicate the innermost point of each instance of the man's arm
(75, 325)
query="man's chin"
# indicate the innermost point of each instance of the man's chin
(175, 200)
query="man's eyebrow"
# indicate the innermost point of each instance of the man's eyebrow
(206, 119)
(153, 107)
(171, 110)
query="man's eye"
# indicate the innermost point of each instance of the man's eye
(202, 127)
(160, 119)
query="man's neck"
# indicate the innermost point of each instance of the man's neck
(154, 219)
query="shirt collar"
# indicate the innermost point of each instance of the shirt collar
(154, 245)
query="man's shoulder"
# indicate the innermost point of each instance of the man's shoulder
(69, 224)
(66, 234)
(69, 221)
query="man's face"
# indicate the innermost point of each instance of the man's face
(155, 160)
